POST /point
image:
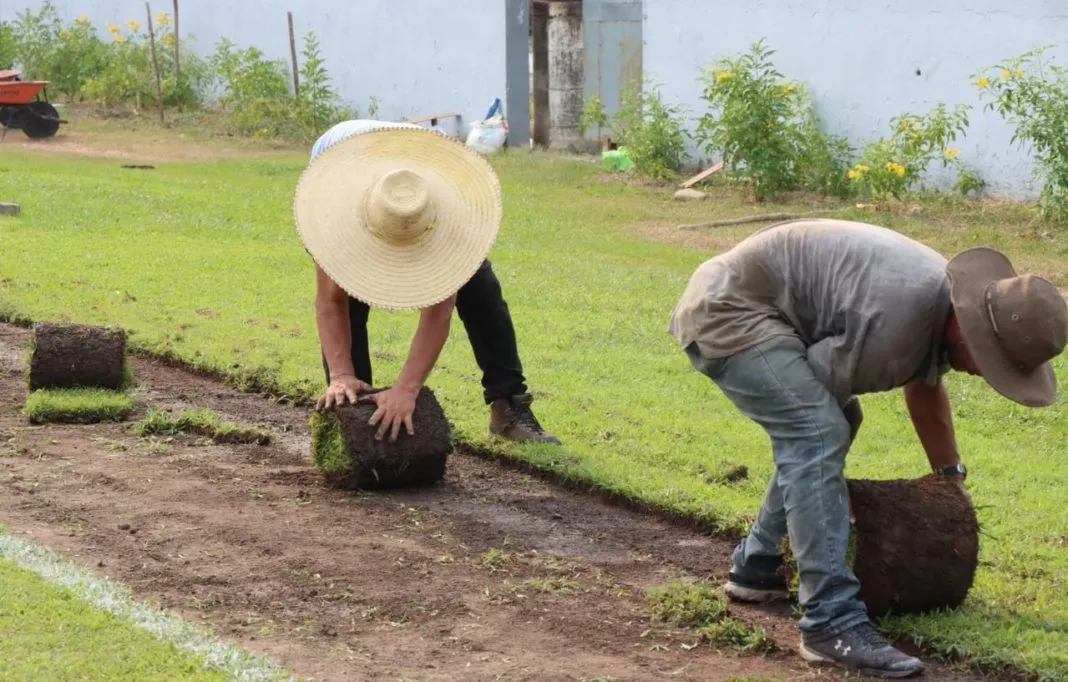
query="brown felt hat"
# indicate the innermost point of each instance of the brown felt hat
(1013, 324)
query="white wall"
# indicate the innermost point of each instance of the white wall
(861, 59)
(417, 57)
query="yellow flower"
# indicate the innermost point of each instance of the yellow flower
(119, 39)
(133, 25)
(952, 153)
(1006, 75)
(1019, 73)
(984, 83)
(855, 175)
(83, 19)
(723, 75)
(896, 168)
(113, 29)
(862, 168)
(163, 20)
(63, 35)
(168, 40)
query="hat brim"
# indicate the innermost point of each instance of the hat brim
(329, 211)
(970, 273)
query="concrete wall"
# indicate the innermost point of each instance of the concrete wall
(866, 62)
(417, 57)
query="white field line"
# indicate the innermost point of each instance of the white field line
(115, 599)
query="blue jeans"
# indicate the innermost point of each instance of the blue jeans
(807, 498)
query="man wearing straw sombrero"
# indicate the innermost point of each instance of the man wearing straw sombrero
(797, 320)
(400, 217)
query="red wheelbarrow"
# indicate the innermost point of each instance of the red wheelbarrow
(23, 106)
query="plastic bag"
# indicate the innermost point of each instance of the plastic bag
(617, 160)
(488, 136)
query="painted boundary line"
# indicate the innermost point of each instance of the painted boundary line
(115, 599)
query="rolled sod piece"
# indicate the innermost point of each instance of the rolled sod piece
(345, 450)
(916, 544)
(78, 356)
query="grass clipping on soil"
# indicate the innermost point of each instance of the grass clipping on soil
(200, 422)
(78, 356)
(77, 406)
(698, 605)
(345, 450)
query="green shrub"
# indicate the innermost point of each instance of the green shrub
(892, 166)
(650, 130)
(1031, 95)
(8, 45)
(766, 130)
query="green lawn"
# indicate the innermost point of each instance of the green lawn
(202, 262)
(75, 626)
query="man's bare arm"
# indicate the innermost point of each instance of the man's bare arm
(434, 325)
(332, 320)
(933, 420)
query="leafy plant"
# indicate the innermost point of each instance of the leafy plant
(8, 45)
(650, 130)
(891, 166)
(1030, 94)
(318, 100)
(36, 37)
(765, 129)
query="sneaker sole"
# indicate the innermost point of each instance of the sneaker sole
(753, 595)
(819, 659)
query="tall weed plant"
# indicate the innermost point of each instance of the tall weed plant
(649, 129)
(1031, 94)
(766, 130)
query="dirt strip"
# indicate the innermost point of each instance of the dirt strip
(491, 575)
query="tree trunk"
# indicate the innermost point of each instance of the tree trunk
(78, 355)
(916, 544)
(345, 450)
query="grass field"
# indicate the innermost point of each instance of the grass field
(200, 261)
(76, 626)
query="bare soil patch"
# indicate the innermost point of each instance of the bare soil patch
(489, 575)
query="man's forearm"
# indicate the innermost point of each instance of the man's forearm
(933, 419)
(430, 337)
(332, 320)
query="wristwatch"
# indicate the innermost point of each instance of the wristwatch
(953, 470)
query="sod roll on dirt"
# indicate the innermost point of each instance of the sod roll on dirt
(345, 450)
(916, 544)
(77, 355)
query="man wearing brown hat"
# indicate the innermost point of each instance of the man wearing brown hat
(399, 217)
(799, 319)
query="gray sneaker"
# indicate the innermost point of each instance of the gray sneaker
(862, 649)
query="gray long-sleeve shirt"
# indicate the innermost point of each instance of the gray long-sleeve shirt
(869, 303)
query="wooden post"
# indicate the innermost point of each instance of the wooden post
(293, 55)
(177, 60)
(155, 62)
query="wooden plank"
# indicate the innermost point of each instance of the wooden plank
(424, 119)
(715, 168)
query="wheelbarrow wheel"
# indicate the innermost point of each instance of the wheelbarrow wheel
(41, 120)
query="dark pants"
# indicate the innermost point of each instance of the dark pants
(484, 313)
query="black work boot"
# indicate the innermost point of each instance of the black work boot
(761, 582)
(862, 649)
(511, 418)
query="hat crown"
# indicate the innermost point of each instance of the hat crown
(1029, 317)
(400, 209)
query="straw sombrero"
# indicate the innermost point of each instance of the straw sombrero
(398, 217)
